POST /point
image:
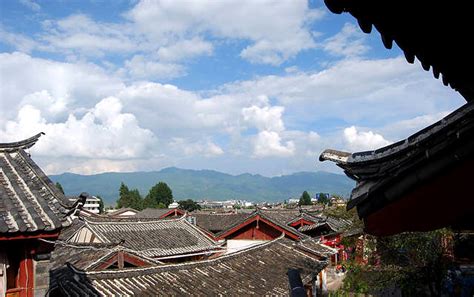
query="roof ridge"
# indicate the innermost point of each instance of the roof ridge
(130, 220)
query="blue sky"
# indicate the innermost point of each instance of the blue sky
(236, 86)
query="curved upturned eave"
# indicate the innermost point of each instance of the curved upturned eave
(22, 144)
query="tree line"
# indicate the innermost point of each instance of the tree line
(323, 198)
(159, 196)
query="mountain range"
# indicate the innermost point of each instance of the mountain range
(207, 184)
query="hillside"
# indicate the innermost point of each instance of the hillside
(207, 184)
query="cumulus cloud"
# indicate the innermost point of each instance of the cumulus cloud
(269, 144)
(277, 120)
(104, 132)
(362, 141)
(355, 90)
(51, 86)
(264, 118)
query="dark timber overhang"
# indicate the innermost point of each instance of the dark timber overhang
(435, 32)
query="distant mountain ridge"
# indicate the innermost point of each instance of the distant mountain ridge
(207, 184)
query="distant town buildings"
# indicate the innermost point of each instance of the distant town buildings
(227, 204)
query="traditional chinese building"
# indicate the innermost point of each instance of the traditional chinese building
(259, 270)
(169, 240)
(32, 213)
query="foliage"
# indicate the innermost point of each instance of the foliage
(101, 205)
(159, 193)
(59, 187)
(305, 199)
(129, 198)
(412, 262)
(189, 205)
(323, 198)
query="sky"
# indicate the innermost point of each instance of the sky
(236, 86)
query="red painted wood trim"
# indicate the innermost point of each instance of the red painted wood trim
(107, 263)
(301, 222)
(124, 257)
(253, 219)
(172, 212)
(20, 236)
(25, 278)
(425, 208)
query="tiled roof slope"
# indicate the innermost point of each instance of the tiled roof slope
(157, 213)
(29, 201)
(261, 270)
(275, 220)
(88, 256)
(217, 222)
(152, 238)
(335, 224)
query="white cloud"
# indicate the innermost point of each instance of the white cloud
(80, 34)
(140, 67)
(362, 141)
(269, 144)
(354, 90)
(262, 124)
(264, 118)
(51, 86)
(104, 132)
(206, 148)
(349, 42)
(185, 49)
(18, 41)
(403, 128)
(272, 42)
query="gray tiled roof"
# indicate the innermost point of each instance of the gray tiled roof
(260, 270)
(216, 223)
(334, 224)
(152, 238)
(155, 213)
(88, 256)
(29, 201)
(273, 218)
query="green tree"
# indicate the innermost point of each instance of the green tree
(305, 199)
(101, 204)
(136, 201)
(414, 262)
(159, 193)
(129, 198)
(189, 205)
(60, 188)
(124, 196)
(323, 198)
